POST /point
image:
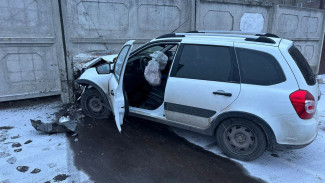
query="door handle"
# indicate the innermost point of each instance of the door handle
(112, 92)
(221, 92)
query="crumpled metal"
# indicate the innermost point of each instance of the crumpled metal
(56, 127)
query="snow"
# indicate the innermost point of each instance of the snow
(49, 153)
(299, 165)
(53, 156)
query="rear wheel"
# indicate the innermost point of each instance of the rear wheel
(92, 104)
(241, 139)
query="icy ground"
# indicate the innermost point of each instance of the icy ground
(27, 155)
(306, 165)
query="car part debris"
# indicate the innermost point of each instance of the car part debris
(69, 126)
(64, 119)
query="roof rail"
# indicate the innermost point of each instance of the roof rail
(234, 32)
(261, 39)
(170, 35)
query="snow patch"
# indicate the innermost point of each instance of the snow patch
(42, 156)
(300, 165)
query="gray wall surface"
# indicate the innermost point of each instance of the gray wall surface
(31, 51)
(302, 25)
(40, 39)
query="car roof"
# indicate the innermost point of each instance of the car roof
(230, 36)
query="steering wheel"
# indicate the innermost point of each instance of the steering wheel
(144, 62)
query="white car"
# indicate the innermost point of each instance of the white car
(252, 92)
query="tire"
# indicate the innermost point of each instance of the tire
(241, 139)
(92, 105)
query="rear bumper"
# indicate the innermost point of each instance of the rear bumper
(275, 145)
(295, 133)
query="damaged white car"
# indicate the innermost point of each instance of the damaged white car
(252, 92)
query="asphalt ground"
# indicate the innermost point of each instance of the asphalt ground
(147, 152)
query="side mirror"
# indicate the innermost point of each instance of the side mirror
(114, 60)
(103, 69)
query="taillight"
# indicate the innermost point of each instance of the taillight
(304, 103)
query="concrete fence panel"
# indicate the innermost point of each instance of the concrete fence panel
(217, 15)
(305, 27)
(107, 25)
(31, 54)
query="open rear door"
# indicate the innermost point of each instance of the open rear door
(115, 85)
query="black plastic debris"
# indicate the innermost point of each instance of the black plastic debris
(56, 127)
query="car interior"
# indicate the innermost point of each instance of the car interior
(139, 93)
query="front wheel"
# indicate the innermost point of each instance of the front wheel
(92, 104)
(241, 139)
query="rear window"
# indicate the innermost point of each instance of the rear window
(303, 65)
(259, 68)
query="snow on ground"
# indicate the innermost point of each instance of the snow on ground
(50, 158)
(38, 157)
(300, 165)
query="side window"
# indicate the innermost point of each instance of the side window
(213, 63)
(259, 68)
(152, 49)
(120, 60)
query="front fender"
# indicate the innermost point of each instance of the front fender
(98, 81)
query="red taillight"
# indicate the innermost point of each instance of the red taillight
(304, 104)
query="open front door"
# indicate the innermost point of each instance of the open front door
(115, 85)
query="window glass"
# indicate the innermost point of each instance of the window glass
(150, 50)
(259, 68)
(204, 62)
(303, 65)
(120, 60)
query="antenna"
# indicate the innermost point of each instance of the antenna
(181, 25)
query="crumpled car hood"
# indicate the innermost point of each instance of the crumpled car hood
(107, 58)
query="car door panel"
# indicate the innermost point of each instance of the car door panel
(196, 102)
(115, 84)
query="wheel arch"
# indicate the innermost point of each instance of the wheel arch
(88, 83)
(269, 134)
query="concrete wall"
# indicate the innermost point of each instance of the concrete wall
(302, 25)
(31, 52)
(305, 27)
(41, 39)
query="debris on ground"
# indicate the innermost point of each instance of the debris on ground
(18, 150)
(60, 177)
(22, 168)
(6, 127)
(28, 141)
(15, 137)
(64, 119)
(69, 126)
(16, 144)
(36, 170)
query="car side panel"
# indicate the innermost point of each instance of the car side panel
(314, 89)
(272, 104)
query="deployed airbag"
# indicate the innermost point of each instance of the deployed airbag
(156, 64)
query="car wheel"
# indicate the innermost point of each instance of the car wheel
(241, 139)
(92, 104)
